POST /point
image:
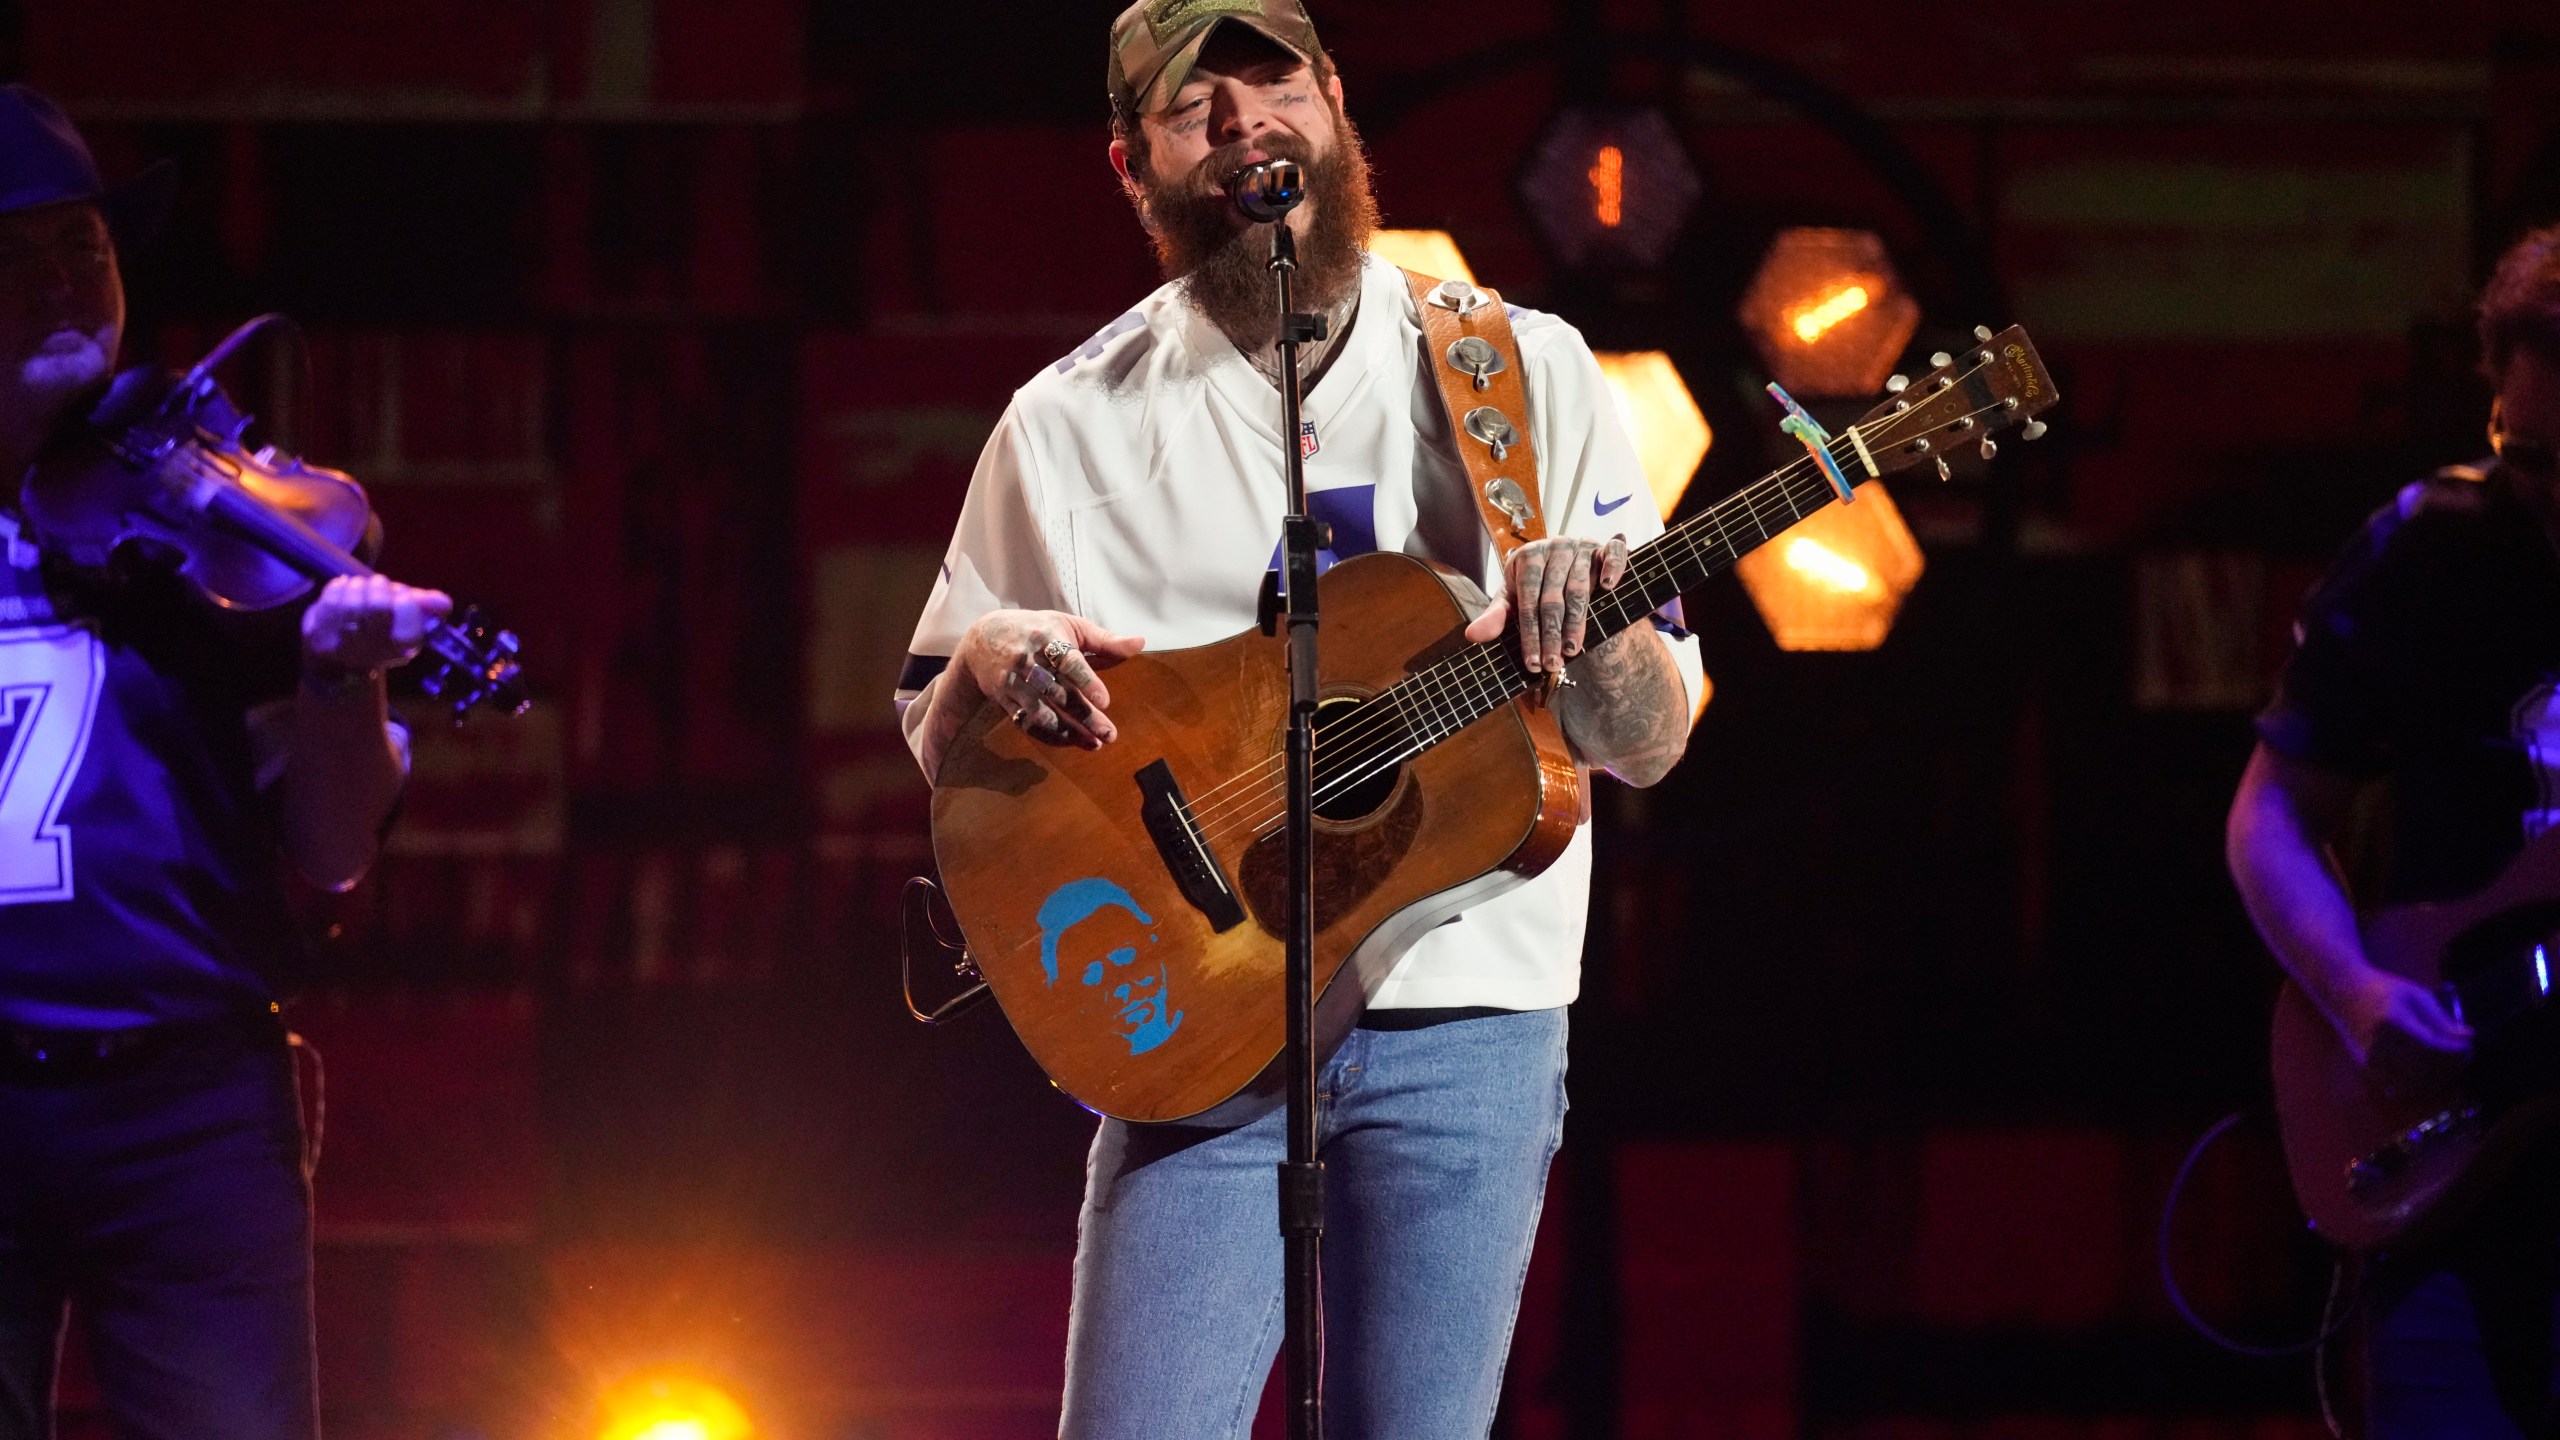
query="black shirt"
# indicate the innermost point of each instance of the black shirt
(2430, 655)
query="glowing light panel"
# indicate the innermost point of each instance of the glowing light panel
(1826, 312)
(1816, 320)
(1609, 187)
(1670, 432)
(1424, 252)
(1836, 579)
(671, 1405)
(1815, 562)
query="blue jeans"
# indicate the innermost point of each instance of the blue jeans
(1435, 1141)
(165, 1196)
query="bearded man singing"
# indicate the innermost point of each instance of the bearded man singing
(1135, 489)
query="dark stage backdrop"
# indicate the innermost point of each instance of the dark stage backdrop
(670, 330)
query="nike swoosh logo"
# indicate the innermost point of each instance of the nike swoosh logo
(1603, 507)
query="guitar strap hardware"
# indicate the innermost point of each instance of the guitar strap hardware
(1474, 358)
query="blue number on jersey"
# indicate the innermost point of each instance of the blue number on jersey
(1351, 513)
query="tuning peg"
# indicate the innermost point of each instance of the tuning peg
(1982, 332)
(2034, 430)
(1896, 384)
(1990, 449)
(1945, 471)
(1941, 360)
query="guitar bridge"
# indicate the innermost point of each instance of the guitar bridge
(1185, 851)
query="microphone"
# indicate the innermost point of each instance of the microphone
(1266, 192)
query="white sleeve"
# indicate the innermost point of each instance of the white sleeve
(999, 559)
(1590, 484)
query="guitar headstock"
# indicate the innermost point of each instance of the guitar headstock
(468, 661)
(1998, 383)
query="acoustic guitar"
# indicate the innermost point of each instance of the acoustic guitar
(2374, 1168)
(1127, 906)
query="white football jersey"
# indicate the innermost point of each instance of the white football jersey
(1137, 482)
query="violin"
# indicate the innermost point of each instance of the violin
(160, 462)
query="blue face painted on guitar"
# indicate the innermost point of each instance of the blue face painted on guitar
(1146, 1017)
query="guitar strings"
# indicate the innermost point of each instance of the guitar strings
(1466, 687)
(1647, 567)
(1780, 484)
(1481, 691)
(1820, 494)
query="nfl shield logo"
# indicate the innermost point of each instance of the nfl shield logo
(1307, 444)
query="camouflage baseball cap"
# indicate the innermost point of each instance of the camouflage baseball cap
(1155, 42)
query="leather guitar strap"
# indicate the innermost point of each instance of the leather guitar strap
(1468, 345)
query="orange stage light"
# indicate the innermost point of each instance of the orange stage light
(1609, 187)
(1826, 312)
(1817, 320)
(1425, 252)
(1817, 563)
(671, 1405)
(1670, 432)
(1836, 579)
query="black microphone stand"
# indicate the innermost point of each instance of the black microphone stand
(1301, 1174)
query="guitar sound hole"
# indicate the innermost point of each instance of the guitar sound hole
(1341, 745)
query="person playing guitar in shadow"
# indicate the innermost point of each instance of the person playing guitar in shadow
(161, 758)
(1133, 489)
(2430, 658)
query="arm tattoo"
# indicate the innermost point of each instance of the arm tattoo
(1627, 710)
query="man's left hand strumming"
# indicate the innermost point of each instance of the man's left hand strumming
(1623, 707)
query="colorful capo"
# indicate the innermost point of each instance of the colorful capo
(1816, 440)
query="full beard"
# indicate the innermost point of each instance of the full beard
(1226, 271)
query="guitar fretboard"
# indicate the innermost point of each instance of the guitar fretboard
(1443, 698)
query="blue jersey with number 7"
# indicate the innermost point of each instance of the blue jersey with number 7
(140, 876)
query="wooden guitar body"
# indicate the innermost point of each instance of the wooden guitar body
(1120, 982)
(2371, 1168)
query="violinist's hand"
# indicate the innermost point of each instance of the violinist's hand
(368, 623)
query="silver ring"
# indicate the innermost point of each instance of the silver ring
(1056, 652)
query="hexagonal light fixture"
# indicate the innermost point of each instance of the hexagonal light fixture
(1836, 579)
(1425, 252)
(1827, 313)
(1610, 187)
(1670, 432)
